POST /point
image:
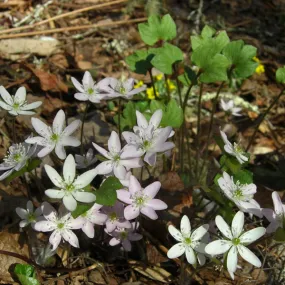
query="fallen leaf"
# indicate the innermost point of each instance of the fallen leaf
(171, 181)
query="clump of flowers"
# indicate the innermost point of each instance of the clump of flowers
(260, 68)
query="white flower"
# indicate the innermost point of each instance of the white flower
(240, 194)
(61, 225)
(17, 105)
(28, 216)
(89, 90)
(122, 87)
(148, 138)
(189, 243)
(118, 160)
(56, 137)
(276, 217)
(84, 161)
(229, 107)
(70, 188)
(234, 150)
(91, 217)
(235, 242)
(16, 158)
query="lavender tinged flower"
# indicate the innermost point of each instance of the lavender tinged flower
(141, 200)
(148, 138)
(70, 188)
(91, 217)
(16, 158)
(56, 137)
(118, 159)
(276, 217)
(61, 226)
(116, 217)
(89, 90)
(124, 236)
(86, 160)
(28, 216)
(122, 87)
(230, 108)
(17, 105)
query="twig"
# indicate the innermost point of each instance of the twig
(76, 28)
(85, 9)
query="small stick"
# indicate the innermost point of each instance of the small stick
(76, 28)
(85, 9)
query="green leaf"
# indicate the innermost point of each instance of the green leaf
(232, 164)
(81, 209)
(243, 176)
(188, 77)
(168, 55)
(157, 29)
(279, 235)
(106, 195)
(241, 58)
(156, 105)
(142, 106)
(173, 116)
(26, 274)
(140, 61)
(206, 33)
(128, 118)
(31, 165)
(280, 75)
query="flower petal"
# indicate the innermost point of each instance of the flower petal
(218, 247)
(114, 144)
(278, 206)
(232, 259)
(199, 232)
(69, 203)
(124, 196)
(249, 256)
(31, 106)
(70, 141)
(134, 185)
(55, 194)
(55, 239)
(45, 151)
(60, 151)
(84, 197)
(141, 120)
(252, 235)
(70, 237)
(223, 227)
(190, 255)
(149, 212)
(156, 118)
(185, 227)
(102, 150)
(77, 85)
(131, 212)
(150, 158)
(22, 213)
(85, 179)
(237, 224)
(6, 96)
(54, 176)
(49, 212)
(20, 95)
(175, 233)
(41, 128)
(5, 106)
(131, 163)
(156, 204)
(58, 122)
(88, 229)
(69, 169)
(176, 251)
(45, 226)
(71, 128)
(152, 189)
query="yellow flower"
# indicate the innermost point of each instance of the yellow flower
(159, 77)
(171, 85)
(139, 84)
(150, 93)
(260, 68)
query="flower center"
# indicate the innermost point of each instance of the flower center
(237, 148)
(238, 194)
(90, 91)
(146, 145)
(187, 241)
(16, 153)
(31, 217)
(124, 235)
(54, 137)
(236, 241)
(17, 157)
(60, 226)
(122, 90)
(140, 200)
(116, 157)
(69, 187)
(16, 106)
(113, 216)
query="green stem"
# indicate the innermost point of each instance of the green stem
(119, 119)
(260, 120)
(82, 127)
(198, 129)
(178, 86)
(152, 83)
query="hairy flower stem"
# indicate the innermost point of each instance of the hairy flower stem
(82, 127)
(260, 120)
(152, 83)
(119, 119)
(198, 130)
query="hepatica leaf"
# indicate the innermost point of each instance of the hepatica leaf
(157, 29)
(280, 75)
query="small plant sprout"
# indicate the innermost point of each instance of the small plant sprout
(276, 217)
(229, 107)
(86, 160)
(16, 158)
(235, 242)
(17, 105)
(28, 216)
(116, 217)
(234, 150)
(90, 218)
(89, 90)
(122, 87)
(70, 188)
(60, 224)
(240, 194)
(148, 138)
(55, 138)
(189, 243)
(118, 159)
(141, 200)
(124, 236)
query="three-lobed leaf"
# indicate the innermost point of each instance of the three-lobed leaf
(280, 75)
(26, 274)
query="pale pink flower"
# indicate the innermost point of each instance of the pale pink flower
(29, 215)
